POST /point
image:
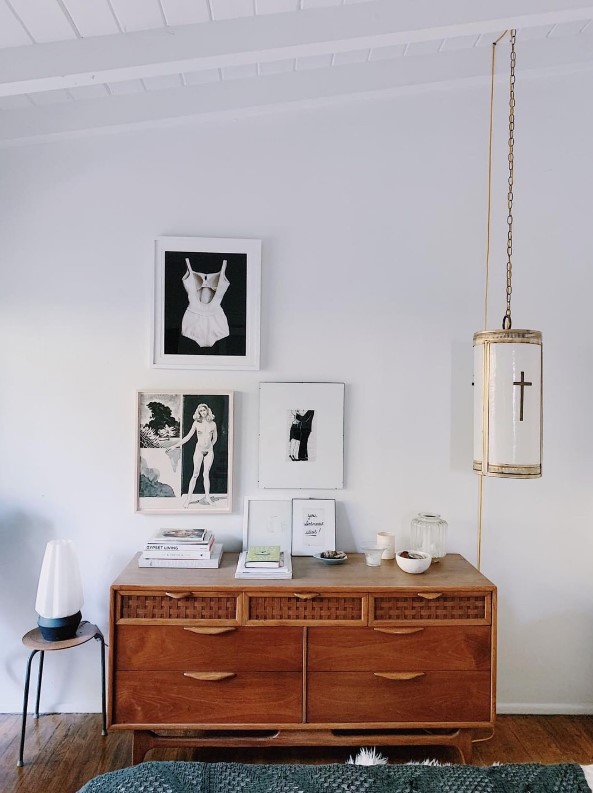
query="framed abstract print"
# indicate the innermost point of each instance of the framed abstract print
(301, 435)
(267, 522)
(184, 451)
(206, 303)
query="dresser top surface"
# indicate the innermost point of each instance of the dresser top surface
(453, 572)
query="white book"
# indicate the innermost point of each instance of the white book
(181, 536)
(155, 551)
(285, 571)
(213, 562)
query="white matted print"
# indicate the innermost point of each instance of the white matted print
(313, 525)
(206, 303)
(184, 451)
(267, 522)
(301, 435)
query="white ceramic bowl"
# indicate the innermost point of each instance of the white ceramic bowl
(413, 565)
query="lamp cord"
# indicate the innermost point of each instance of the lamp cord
(488, 224)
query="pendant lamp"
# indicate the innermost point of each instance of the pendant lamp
(507, 363)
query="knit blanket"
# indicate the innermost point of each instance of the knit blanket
(192, 777)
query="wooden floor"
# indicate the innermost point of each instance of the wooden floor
(62, 752)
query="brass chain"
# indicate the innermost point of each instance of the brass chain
(507, 322)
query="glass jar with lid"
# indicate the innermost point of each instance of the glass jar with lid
(429, 534)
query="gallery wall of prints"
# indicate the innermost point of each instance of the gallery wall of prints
(371, 222)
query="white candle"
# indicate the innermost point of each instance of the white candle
(387, 540)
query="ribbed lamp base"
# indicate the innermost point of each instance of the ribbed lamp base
(59, 628)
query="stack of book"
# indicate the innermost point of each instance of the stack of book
(181, 548)
(264, 561)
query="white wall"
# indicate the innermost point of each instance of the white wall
(372, 217)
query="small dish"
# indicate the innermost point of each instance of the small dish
(339, 558)
(416, 562)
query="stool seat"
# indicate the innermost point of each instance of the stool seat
(35, 642)
(86, 631)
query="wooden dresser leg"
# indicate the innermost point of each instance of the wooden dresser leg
(465, 746)
(141, 744)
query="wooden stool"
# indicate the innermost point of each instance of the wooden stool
(34, 640)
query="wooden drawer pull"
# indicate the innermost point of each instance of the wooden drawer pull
(398, 630)
(209, 676)
(306, 595)
(178, 595)
(430, 595)
(399, 675)
(210, 631)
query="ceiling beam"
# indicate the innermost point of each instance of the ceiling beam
(171, 50)
(299, 89)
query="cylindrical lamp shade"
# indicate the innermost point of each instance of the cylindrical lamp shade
(508, 403)
(59, 594)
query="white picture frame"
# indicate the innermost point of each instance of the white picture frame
(222, 333)
(301, 435)
(268, 522)
(313, 525)
(170, 459)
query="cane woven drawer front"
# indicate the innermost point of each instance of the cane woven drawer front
(450, 647)
(173, 647)
(445, 608)
(206, 607)
(304, 608)
(373, 697)
(180, 700)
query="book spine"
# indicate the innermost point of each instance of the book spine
(263, 565)
(183, 554)
(175, 545)
(188, 564)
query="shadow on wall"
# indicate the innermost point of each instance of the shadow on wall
(23, 538)
(536, 674)
(344, 530)
(462, 407)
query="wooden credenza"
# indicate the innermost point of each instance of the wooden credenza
(340, 655)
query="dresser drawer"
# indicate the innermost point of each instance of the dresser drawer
(201, 648)
(446, 608)
(161, 698)
(209, 607)
(417, 648)
(304, 608)
(432, 697)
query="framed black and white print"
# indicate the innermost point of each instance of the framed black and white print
(313, 526)
(301, 435)
(206, 303)
(184, 451)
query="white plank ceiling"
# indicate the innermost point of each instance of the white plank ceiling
(72, 66)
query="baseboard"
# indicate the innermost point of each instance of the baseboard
(543, 709)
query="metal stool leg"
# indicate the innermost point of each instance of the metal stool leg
(39, 676)
(99, 638)
(20, 762)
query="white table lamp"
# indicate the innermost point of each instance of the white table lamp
(59, 594)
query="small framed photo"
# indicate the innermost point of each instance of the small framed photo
(301, 435)
(313, 525)
(206, 303)
(268, 522)
(184, 451)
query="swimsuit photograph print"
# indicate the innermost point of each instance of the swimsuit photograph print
(206, 303)
(184, 452)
